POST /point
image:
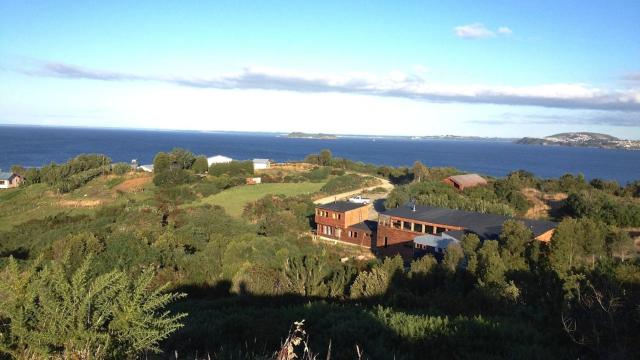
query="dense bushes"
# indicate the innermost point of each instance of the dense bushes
(347, 183)
(604, 207)
(233, 169)
(435, 193)
(54, 311)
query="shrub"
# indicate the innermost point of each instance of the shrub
(172, 177)
(120, 168)
(54, 312)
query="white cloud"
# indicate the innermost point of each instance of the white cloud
(473, 31)
(396, 84)
(503, 30)
(479, 31)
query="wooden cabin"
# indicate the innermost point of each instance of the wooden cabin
(346, 221)
(462, 182)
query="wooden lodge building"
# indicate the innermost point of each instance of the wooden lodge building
(404, 224)
(346, 221)
(413, 230)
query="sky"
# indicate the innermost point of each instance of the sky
(473, 68)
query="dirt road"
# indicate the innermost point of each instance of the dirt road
(384, 184)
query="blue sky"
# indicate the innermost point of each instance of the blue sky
(501, 68)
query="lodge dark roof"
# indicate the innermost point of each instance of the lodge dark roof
(341, 206)
(367, 225)
(486, 226)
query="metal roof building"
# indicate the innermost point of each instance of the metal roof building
(465, 181)
(486, 226)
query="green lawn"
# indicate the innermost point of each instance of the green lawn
(234, 199)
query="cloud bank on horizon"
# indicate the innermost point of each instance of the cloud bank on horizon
(396, 84)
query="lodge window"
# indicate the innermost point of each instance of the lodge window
(339, 216)
(355, 234)
(440, 230)
(397, 224)
(1, 182)
(418, 227)
(406, 225)
(428, 229)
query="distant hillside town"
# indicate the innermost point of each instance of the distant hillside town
(583, 139)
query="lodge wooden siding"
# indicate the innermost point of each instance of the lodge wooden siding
(390, 234)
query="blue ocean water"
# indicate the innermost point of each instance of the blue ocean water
(37, 146)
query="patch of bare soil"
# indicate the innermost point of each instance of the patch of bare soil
(133, 185)
(544, 205)
(81, 203)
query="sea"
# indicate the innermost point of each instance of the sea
(40, 145)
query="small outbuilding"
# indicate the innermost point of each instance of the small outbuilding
(9, 180)
(218, 159)
(253, 180)
(462, 182)
(261, 164)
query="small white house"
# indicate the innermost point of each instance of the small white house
(146, 168)
(218, 159)
(9, 180)
(261, 164)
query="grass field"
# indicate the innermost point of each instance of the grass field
(234, 199)
(39, 201)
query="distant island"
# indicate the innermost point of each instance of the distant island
(583, 139)
(301, 135)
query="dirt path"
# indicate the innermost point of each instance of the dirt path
(543, 204)
(134, 185)
(384, 184)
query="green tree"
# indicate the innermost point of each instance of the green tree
(183, 158)
(619, 244)
(420, 172)
(491, 268)
(200, 165)
(423, 266)
(53, 312)
(161, 162)
(470, 245)
(565, 249)
(453, 258)
(369, 284)
(325, 157)
(513, 240)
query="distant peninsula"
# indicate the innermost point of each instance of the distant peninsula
(583, 139)
(301, 135)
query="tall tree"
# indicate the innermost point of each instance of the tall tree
(470, 245)
(200, 165)
(513, 240)
(325, 157)
(420, 172)
(453, 258)
(161, 162)
(491, 269)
